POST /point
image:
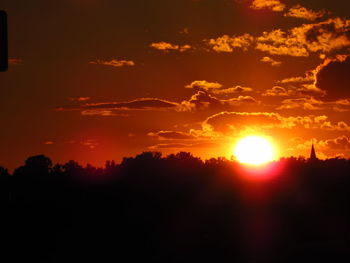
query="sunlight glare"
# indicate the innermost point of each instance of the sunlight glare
(254, 150)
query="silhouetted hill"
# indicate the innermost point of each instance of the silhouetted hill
(177, 208)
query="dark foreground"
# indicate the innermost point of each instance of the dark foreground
(176, 209)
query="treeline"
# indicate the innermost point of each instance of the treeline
(176, 208)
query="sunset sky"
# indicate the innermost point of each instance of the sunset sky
(92, 80)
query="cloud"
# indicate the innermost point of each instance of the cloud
(302, 103)
(309, 78)
(184, 145)
(226, 122)
(278, 42)
(228, 44)
(203, 85)
(48, 142)
(271, 61)
(203, 100)
(333, 76)
(332, 34)
(165, 46)
(200, 101)
(230, 123)
(327, 36)
(278, 91)
(233, 90)
(274, 5)
(299, 11)
(339, 143)
(240, 100)
(103, 113)
(216, 88)
(292, 91)
(79, 98)
(171, 135)
(113, 62)
(138, 104)
(92, 144)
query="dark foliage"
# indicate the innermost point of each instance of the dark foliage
(177, 208)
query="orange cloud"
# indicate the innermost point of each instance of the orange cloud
(113, 62)
(79, 98)
(203, 85)
(299, 11)
(326, 36)
(302, 103)
(341, 143)
(165, 46)
(228, 44)
(103, 113)
(308, 90)
(230, 123)
(271, 61)
(309, 78)
(274, 5)
(278, 91)
(203, 100)
(233, 90)
(278, 42)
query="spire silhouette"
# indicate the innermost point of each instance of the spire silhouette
(313, 153)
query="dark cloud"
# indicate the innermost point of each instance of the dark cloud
(333, 76)
(171, 135)
(113, 62)
(138, 104)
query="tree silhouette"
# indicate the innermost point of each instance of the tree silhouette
(176, 208)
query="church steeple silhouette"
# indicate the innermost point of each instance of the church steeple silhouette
(313, 153)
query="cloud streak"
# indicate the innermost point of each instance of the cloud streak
(113, 63)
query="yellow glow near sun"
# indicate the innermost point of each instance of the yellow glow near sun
(254, 150)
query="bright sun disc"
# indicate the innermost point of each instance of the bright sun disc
(254, 150)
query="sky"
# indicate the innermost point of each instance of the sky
(96, 80)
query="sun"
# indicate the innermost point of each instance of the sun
(254, 150)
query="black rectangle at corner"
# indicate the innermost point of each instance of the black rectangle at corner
(3, 41)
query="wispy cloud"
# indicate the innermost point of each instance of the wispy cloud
(79, 98)
(171, 135)
(113, 62)
(106, 108)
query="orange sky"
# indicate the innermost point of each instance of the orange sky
(102, 79)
